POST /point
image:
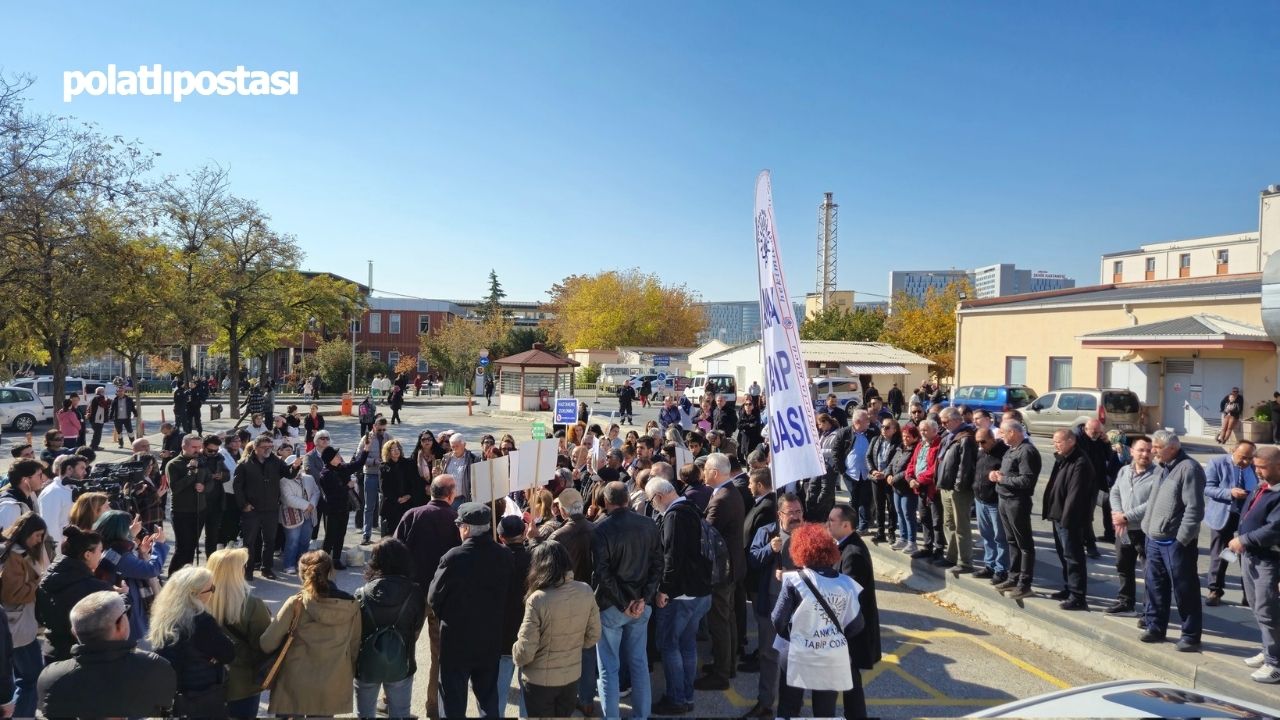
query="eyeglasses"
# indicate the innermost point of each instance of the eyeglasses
(791, 513)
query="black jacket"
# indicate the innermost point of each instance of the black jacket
(628, 559)
(1099, 454)
(112, 406)
(898, 468)
(684, 570)
(469, 594)
(983, 488)
(838, 414)
(749, 430)
(725, 420)
(761, 512)
(957, 460)
(258, 483)
(333, 483)
(398, 479)
(873, 452)
(107, 679)
(199, 658)
(1020, 468)
(65, 583)
(855, 561)
(513, 614)
(1069, 495)
(393, 600)
(183, 481)
(430, 533)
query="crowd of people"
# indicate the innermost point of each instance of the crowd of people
(641, 543)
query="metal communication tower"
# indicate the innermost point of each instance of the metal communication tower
(828, 230)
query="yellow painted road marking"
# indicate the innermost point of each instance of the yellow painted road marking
(1055, 681)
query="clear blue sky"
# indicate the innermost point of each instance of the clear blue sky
(549, 138)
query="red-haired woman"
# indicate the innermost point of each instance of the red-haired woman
(817, 611)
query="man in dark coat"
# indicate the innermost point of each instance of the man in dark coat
(429, 531)
(1068, 503)
(895, 400)
(257, 489)
(1092, 441)
(469, 595)
(855, 561)
(106, 675)
(726, 514)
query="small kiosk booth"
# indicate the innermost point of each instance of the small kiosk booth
(531, 380)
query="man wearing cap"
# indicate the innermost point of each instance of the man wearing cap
(511, 531)
(469, 595)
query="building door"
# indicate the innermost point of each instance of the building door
(1192, 390)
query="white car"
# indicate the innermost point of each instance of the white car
(20, 410)
(1129, 699)
(848, 392)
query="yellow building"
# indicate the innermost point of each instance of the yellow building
(1181, 344)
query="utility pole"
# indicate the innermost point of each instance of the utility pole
(828, 230)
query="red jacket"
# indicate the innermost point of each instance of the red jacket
(927, 479)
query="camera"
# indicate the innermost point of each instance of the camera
(121, 482)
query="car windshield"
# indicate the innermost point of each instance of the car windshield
(1120, 402)
(1178, 703)
(1019, 397)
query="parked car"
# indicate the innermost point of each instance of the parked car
(1115, 408)
(1129, 699)
(725, 385)
(992, 398)
(658, 387)
(42, 386)
(20, 410)
(848, 391)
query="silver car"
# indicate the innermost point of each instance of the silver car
(1129, 699)
(1115, 408)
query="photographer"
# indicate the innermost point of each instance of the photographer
(188, 481)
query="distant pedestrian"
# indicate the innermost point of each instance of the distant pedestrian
(626, 395)
(396, 402)
(488, 390)
(1231, 407)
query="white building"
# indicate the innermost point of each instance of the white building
(881, 363)
(1233, 254)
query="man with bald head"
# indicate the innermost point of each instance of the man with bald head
(1015, 485)
(1092, 441)
(1260, 561)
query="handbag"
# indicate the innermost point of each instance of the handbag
(278, 661)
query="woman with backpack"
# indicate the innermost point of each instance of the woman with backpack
(184, 633)
(392, 612)
(318, 669)
(24, 562)
(244, 618)
(366, 411)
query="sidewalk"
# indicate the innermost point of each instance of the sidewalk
(1109, 643)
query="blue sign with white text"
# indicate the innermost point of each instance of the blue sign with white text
(566, 411)
(662, 361)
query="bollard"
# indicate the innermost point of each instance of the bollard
(468, 405)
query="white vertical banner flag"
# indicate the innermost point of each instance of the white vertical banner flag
(792, 430)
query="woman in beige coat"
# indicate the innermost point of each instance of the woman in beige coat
(561, 619)
(316, 676)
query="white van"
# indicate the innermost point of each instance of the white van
(848, 391)
(726, 386)
(42, 386)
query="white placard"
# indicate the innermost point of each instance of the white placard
(684, 456)
(489, 480)
(537, 460)
(793, 435)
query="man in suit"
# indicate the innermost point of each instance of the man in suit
(1227, 482)
(769, 558)
(855, 561)
(764, 511)
(726, 514)
(468, 594)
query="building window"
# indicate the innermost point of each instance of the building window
(422, 364)
(1059, 373)
(424, 324)
(376, 355)
(1184, 265)
(1117, 271)
(393, 357)
(375, 323)
(1223, 257)
(355, 326)
(393, 325)
(1151, 268)
(1015, 370)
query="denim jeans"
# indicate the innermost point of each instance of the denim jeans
(995, 551)
(28, 661)
(507, 668)
(905, 505)
(296, 541)
(677, 636)
(860, 498)
(399, 695)
(623, 639)
(371, 483)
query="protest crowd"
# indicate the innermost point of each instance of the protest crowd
(576, 588)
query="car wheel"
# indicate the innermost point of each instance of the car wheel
(24, 423)
(851, 406)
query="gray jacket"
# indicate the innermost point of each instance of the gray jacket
(1177, 501)
(1130, 495)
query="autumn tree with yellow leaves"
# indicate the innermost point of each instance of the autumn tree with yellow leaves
(623, 307)
(927, 326)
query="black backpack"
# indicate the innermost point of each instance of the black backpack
(716, 554)
(384, 655)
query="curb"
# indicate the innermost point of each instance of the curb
(1108, 644)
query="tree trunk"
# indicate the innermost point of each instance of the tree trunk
(137, 388)
(187, 359)
(233, 352)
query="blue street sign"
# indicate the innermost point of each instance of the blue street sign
(566, 411)
(484, 360)
(662, 376)
(662, 361)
